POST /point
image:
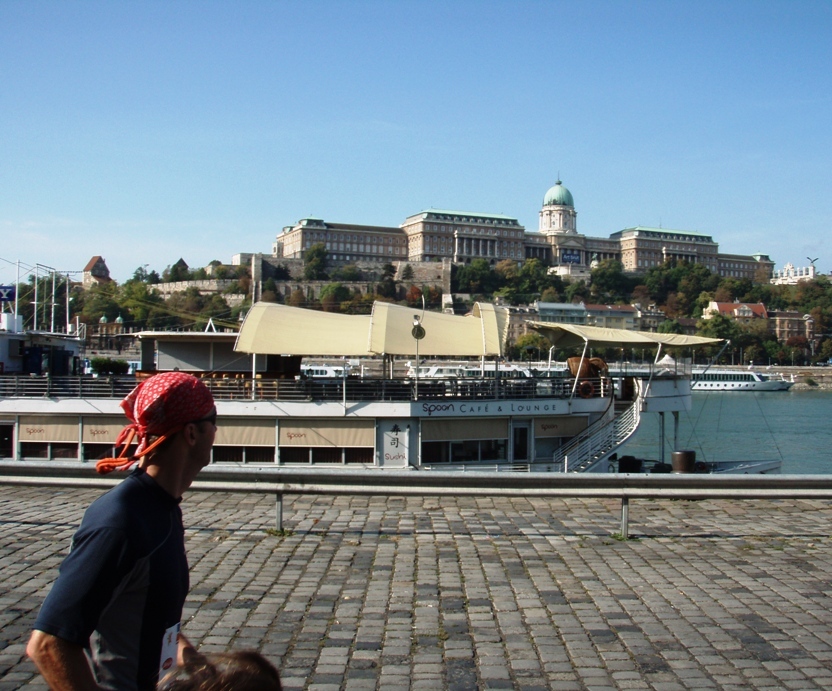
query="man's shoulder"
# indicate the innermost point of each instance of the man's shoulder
(128, 500)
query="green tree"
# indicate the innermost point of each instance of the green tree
(550, 295)
(315, 261)
(332, 295)
(269, 292)
(388, 288)
(350, 272)
(507, 270)
(670, 326)
(178, 272)
(296, 298)
(531, 346)
(532, 280)
(609, 282)
(576, 291)
(141, 306)
(414, 296)
(477, 278)
(100, 301)
(718, 326)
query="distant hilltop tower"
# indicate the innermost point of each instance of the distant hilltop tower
(558, 213)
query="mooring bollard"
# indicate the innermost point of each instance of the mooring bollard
(625, 517)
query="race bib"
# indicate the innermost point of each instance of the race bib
(170, 648)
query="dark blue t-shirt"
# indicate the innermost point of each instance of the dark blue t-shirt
(123, 584)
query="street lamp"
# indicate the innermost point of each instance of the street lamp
(418, 333)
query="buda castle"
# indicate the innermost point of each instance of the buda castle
(460, 237)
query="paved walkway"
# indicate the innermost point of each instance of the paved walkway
(398, 593)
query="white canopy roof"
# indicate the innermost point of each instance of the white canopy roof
(573, 335)
(275, 329)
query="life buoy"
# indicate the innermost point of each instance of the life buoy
(586, 389)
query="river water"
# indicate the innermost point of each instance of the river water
(792, 426)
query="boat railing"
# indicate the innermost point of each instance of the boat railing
(12, 386)
(480, 467)
(316, 388)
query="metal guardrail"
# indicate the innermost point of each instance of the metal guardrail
(280, 481)
(66, 387)
(313, 389)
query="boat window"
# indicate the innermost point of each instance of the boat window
(92, 452)
(463, 430)
(7, 440)
(31, 449)
(294, 454)
(359, 455)
(50, 450)
(467, 451)
(243, 454)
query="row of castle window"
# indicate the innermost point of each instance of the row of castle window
(474, 231)
(349, 247)
(372, 239)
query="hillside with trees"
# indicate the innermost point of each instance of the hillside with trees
(679, 289)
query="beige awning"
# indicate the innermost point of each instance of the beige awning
(48, 428)
(274, 329)
(461, 430)
(574, 335)
(336, 433)
(478, 334)
(245, 432)
(102, 429)
(280, 330)
(559, 426)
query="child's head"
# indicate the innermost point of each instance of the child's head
(238, 671)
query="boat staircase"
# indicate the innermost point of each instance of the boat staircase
(600, 439)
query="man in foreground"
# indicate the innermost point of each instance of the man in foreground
(112, 618)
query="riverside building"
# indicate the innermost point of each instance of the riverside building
(461, 237)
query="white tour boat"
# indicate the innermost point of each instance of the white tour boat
(378, 416)
(714, 379)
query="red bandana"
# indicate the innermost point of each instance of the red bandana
(158, 407)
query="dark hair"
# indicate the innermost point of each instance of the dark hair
(239, 671)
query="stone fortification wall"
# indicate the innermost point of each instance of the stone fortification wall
(207, 286)
(427, 274)
(264, 267)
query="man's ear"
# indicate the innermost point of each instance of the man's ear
(190, 433)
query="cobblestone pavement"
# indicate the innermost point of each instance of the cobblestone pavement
(469, 593)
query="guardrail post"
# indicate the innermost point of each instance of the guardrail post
(625, 518)
(278, 511)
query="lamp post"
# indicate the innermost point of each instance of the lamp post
(418, 333)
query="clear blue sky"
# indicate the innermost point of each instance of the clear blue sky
(149, 131)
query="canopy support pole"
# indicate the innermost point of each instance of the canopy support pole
(580, 369)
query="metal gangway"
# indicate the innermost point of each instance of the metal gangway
(598, 441)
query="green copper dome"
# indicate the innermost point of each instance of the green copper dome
(558, 195)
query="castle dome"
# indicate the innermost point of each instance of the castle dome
(558, 195)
